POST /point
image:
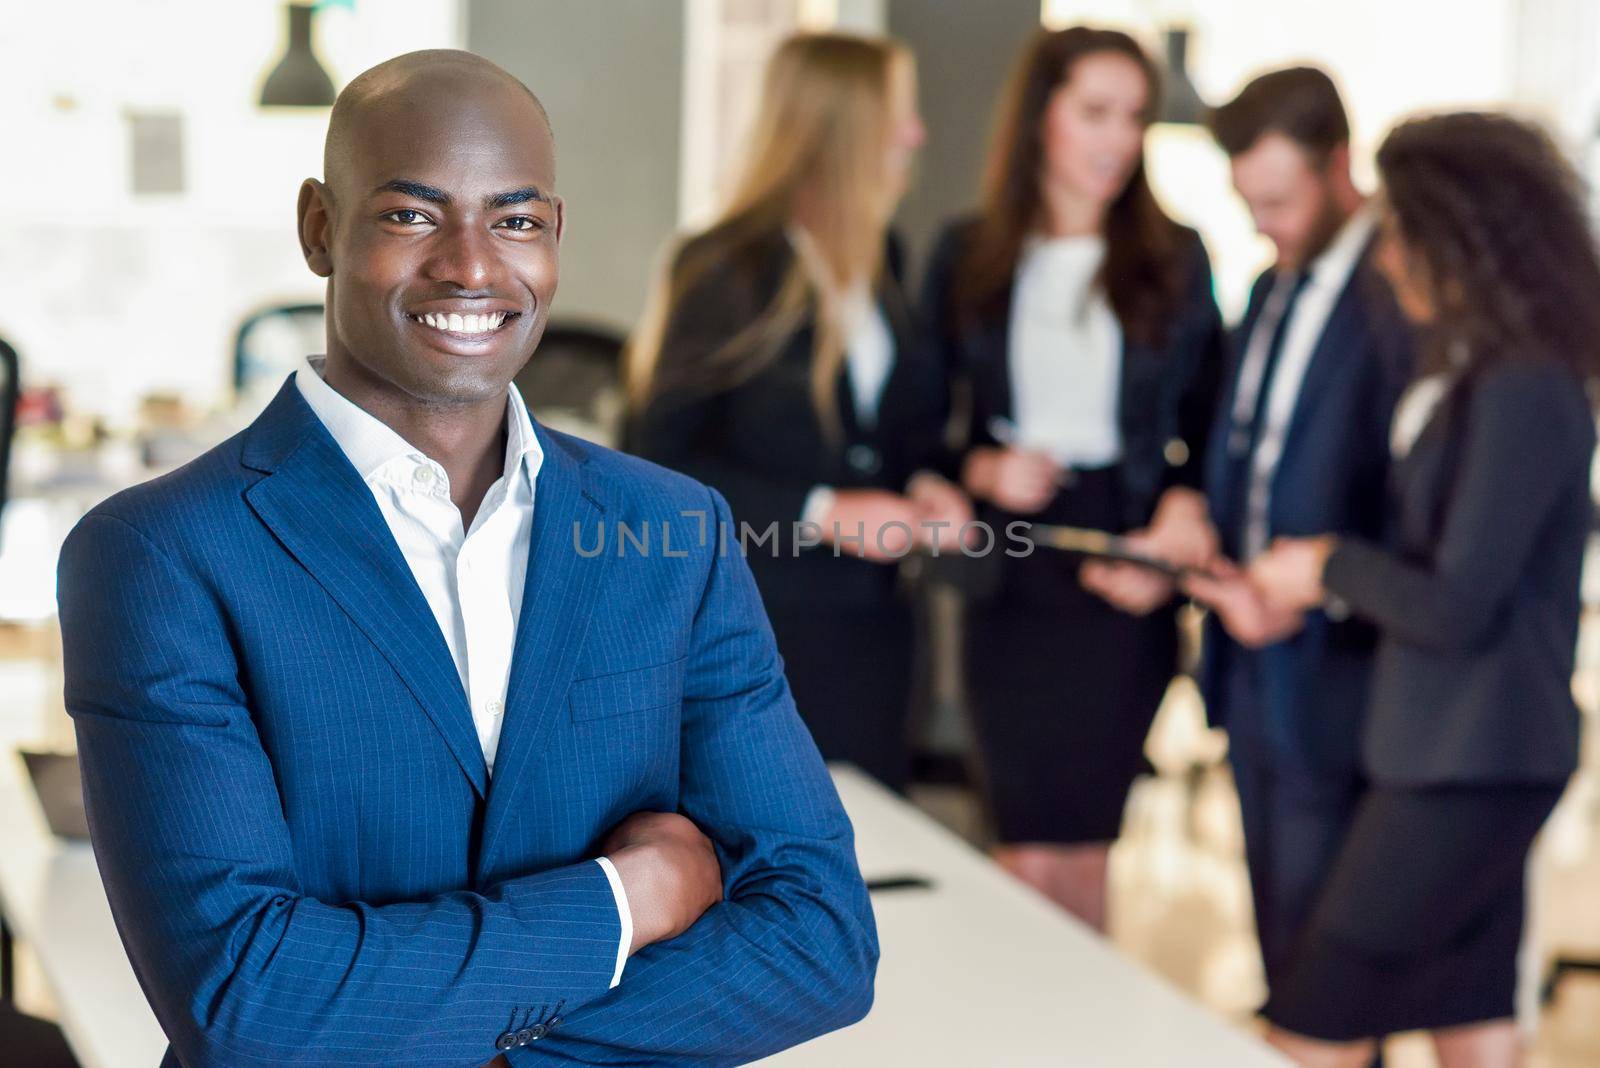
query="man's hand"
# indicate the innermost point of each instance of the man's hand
(1248, 617)
(1018, 480)
(1289, 575)
(1134, 589)
(669, 872)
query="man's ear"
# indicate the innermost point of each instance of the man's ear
(315, 215)
(561, 217)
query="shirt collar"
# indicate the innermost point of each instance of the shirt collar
(371, 444)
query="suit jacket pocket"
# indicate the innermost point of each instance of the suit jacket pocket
(621, 693)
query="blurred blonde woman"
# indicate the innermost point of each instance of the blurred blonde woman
(779, 364)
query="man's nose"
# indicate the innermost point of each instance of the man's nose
(463, 255)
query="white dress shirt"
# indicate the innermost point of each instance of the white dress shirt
(471, 579)
(1065, 355)
(1329, 273)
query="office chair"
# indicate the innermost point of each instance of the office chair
(271, 342)
(574, 382)
(10, 392)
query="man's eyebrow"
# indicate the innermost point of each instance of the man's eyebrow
(414, 189)
(515, 196)
(406, 187)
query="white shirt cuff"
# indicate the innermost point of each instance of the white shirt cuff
(819, 502)
(623, 914)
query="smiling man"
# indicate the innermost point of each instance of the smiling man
(380, 769)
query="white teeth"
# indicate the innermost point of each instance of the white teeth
(465, 324)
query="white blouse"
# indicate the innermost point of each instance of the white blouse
(869, 351)
(1065, 354)
(1415, 410)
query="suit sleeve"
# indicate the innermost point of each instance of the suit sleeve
(1528, 436)
(922, 433)
(792, 951)
(1202, 351)
(942, 341)
(242, 967)
(920, 438)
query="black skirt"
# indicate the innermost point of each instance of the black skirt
(1062, 687)
(1420, 921)
(850, 673)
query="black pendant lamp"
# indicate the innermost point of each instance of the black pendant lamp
(299, 80)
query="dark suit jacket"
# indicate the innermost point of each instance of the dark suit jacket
(1331, 477)
(761, 443)
(1167, 392)
(303, 851)
(1477, 595)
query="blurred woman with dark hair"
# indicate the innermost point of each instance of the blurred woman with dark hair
(778, 363)
(1082, 321)
(1472, 732)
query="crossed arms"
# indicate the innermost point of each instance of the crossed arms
(244, 969)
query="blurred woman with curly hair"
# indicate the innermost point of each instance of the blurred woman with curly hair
(1472, 732)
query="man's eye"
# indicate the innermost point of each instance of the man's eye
(523, 223)
(405, 216)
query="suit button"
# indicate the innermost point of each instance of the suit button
(525, 1036)
(506, 1041)
(539, 1031)
(863, 458)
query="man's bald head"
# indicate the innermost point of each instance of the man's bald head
(401, 90)
(438, 229)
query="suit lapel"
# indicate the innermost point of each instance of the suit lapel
(992, 373)
(1332, 352)
(1222, 468)
(557, 599)
(320, 510)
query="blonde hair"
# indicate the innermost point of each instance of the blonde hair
(819, 138)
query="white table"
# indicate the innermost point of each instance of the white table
(981, 970)
(54, 902)
(975, 970)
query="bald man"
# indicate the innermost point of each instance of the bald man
(384, 763)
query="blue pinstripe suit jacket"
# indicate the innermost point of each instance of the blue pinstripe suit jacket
(305, 857)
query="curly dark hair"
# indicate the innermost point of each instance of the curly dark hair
(1492, 213)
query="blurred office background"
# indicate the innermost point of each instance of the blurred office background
(155, 296)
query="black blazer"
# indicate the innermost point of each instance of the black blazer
(761, 444)
(1167, 392)
(1332, 477)
(1477, 600)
